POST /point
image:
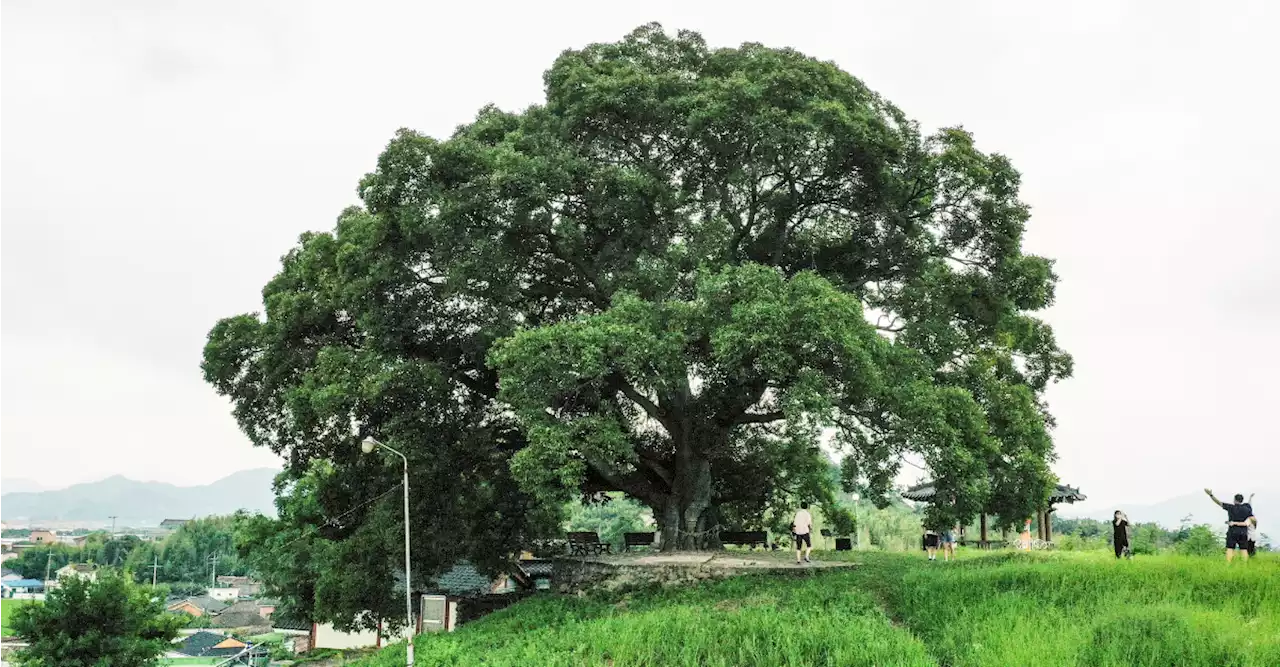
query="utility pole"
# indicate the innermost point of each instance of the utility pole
(213, 577)
(113, 525)
(48, 566)
(155, 565)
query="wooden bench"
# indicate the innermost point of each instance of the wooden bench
(637, 540)
(748, 538)
(587, 543)
(989, 544)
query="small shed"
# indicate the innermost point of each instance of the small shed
(925, 492)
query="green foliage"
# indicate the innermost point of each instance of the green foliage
(1075, 542)
(669, 280)
(1148, 538)
(183, 556)
(91, 624)
(1201, 541)
(41, 562)
(188, 588)
(186, 555)
(610, 518)
(1144, 538)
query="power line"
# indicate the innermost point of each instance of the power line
(333, 521)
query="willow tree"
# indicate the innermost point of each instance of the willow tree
(689, 275)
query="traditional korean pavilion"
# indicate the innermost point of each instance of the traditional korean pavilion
(924, 492)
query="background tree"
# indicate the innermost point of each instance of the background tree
(679, 278)
(187, 554)
(89, 624)
(610, 515)
(41, 562)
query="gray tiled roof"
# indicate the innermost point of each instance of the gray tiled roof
(536, 568)
(1062, 493)
(239, 619)
(201, 644)
(463, 579)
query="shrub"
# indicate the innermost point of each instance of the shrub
(1200, 541)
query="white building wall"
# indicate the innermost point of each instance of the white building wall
(224, 594)
(328, 637)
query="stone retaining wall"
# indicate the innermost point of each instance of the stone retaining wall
(576, 576)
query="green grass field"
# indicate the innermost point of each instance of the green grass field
(7, 609)
(900, 610)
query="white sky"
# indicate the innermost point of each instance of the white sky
(159, 157)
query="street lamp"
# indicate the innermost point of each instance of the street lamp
(368, 445)
(857, 525)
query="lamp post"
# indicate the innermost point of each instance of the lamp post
(368, 446)
(857, 524)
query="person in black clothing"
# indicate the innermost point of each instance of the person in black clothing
(1120, 533)
(1238, 514)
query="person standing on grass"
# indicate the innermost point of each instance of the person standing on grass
(1120, 533)
(949, 544)
(1238, 514)
(931, 543)
(801, 527)
(1253, 530)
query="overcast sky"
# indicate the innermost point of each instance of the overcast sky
(159, 158)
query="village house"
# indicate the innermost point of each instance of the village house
(82, 570)
(246, 586)
(22, 589)
(205, 644)
(200, 605)
(173, 524)
(42, 537)
(243, 615)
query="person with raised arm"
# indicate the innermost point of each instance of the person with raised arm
(1238, 514)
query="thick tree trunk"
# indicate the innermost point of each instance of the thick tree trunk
(688, 521)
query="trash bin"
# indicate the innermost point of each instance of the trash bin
(844, 544)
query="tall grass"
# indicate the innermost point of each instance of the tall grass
(1011, 609)
(752, 620)
(1087, 609)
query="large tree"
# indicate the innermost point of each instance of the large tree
(686, 276)
(89, 624)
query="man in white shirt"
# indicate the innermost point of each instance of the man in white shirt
(801, 527)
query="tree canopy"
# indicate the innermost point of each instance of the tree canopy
(88, 624)
(687, 276)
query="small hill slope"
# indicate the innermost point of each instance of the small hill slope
(750, 620)
(1006, 609)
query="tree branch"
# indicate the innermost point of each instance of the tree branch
(599, 295)
(759, 417)
(652, 409)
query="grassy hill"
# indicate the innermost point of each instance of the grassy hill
(1007, 609)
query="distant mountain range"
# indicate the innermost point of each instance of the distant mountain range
(1170, 513)
(20, 485)
(142, 503)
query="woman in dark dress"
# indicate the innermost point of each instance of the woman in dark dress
(1120, 533)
